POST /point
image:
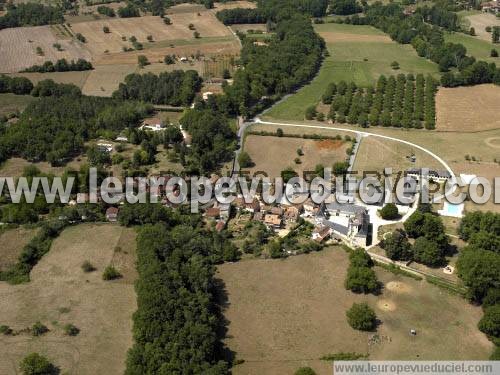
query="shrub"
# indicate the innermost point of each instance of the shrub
(395, 65)
(81, 38)
(389, 212)
(71, 330)
(5, 330)
(361, 280)
(38, 329)
(196, 34)
(305, 371)
(88, 267)
(169, 60)
(361, 317)
(111, 273)
(311, 112)
(105, 29)
(36, 364)
(494, 53)
(142, 61)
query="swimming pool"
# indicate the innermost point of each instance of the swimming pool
(450, 209)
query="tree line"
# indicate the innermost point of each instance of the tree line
(175, 88)
(291, 59)
(61, 65)
(479, 269)
(177, 318)
(424, 31)
(241, 16)
(401, 101)
(31, 14)
(46, 87)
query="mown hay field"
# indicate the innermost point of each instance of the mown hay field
(18, 48)
(141, 27)
(468, 109)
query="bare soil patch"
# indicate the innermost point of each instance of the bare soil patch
(329, 144)
(284, 314)
(332, 37)
(398, 287)
(18, 48)
(274, 154)
(468, 109)
(386, 305)
(60, 293)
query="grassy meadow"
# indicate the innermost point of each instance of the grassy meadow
(356, 53)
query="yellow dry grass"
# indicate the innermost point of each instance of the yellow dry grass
(274, 154)
(12, 242)
(468, 109)
(18, 48)
(375, 154)
(14, 167)
(300, 316)
(102, 310)
(234, 4)
(141, 27)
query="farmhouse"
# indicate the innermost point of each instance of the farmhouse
(291, 214)
(439, 176)
(104, 147)
(349, 221)
(491, 6)
(321, 233)
(272, 221)
(212, 212)
(154, 124)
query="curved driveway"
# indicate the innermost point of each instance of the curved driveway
(364, 134)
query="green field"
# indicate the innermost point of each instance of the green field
(476, 47)
(361, 57)
(10, 103)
